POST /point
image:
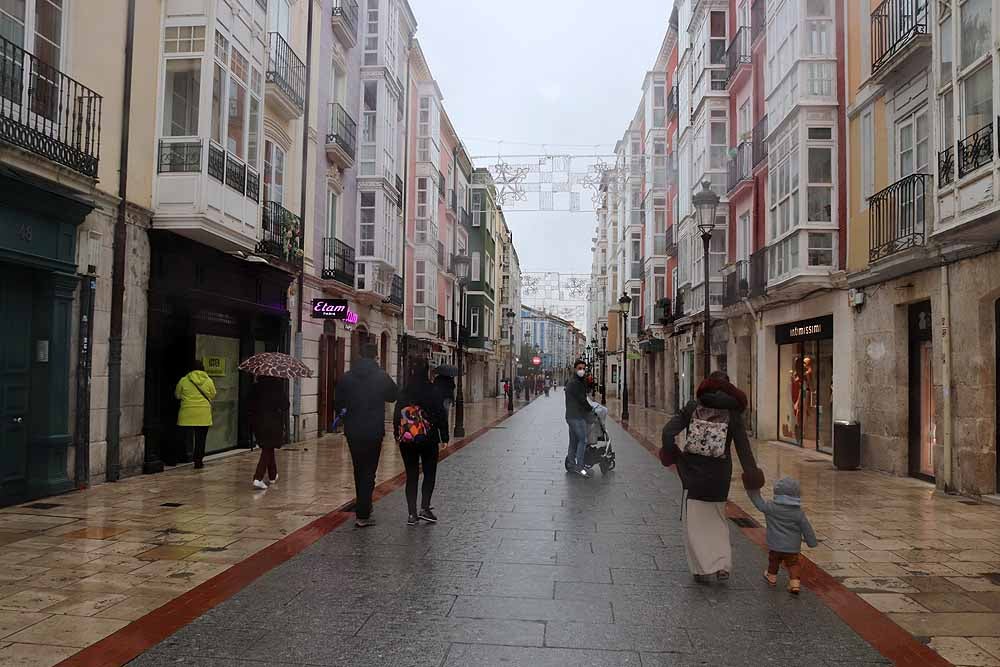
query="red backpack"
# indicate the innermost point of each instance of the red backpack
(414, 427)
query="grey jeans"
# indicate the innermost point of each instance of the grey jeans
(577, 441)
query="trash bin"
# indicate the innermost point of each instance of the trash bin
(846, 445)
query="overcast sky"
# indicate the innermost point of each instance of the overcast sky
(542, 72)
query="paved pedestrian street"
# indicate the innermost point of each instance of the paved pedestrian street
(528, 566)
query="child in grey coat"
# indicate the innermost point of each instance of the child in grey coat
(787, 528)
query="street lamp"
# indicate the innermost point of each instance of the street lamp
(705, 202)
(460, 265)
(527, 345)
(624, 303)
(604, 364)
(510, 383)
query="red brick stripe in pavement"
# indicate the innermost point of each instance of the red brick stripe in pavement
(120, 647)
(892, 641)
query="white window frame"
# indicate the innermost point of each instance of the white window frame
(332, 212)
(365, 250)
(275, 163)
(474, 322)
(744, 229)
(867, 156)
(477, 270)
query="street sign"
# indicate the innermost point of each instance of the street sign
(536, 361)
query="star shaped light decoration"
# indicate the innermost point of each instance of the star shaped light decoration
(509, 180)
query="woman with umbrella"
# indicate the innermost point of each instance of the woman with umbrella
(267, 408)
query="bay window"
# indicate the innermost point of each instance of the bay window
(371, 33)
(819, 197)
(237, 88)
(369, 128)
(477, 269)
(274, 173)
(717, 40)
(978, 98)
(332, 213)
(974, 30)
(366, 224)
(784, 180)
(820, 249)
(181, 89)
(718, 251)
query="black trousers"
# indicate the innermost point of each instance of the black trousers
(364, 457)
(415, 457)
(198, 435)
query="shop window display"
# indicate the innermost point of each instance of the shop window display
(805, 393)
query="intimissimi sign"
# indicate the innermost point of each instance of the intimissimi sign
(817, 328)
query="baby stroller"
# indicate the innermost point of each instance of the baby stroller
(599, 450)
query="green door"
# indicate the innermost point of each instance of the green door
(15, 364)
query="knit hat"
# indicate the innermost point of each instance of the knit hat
(787, 492)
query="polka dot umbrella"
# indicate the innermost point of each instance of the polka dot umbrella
(275, 365)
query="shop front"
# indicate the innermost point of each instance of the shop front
(805, 382)
(38, 282)
(209, 306)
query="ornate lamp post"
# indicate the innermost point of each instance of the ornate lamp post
(705, 202)
(510, 394)
(461, 263)
(604, 364)
(624, 303)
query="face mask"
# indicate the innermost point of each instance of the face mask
(580, 373)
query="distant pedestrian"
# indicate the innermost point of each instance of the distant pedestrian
(714, 423)
(420, 424)
(267, 413)
(578, 410)
(787, 528)
(195, 391)
(362, 393)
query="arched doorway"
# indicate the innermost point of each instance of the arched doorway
(383, 353)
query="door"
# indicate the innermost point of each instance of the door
(922, 401)
(222, 356)
(15, 367)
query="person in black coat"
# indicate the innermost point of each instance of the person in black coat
(363, 392)
(578, 409)
(706, 479)
(267, 412)
(434, 399)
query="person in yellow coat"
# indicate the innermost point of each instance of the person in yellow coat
(195, 391)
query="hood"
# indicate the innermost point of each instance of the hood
(722, 395)
(787, 492)
(365, 367)
(198, 377)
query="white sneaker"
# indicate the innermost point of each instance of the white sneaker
(273, 481)
(259, 484)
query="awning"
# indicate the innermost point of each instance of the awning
(651, 345)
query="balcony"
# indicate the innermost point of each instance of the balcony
(338, 262)
(946, 166)
(899, 214)
(672, 103)
(286, 79)
(344, 20)
(670, 241)
(207, 194)
(975, 150)
(48, 113)
(899, 29)
(740, 169)
(341, 137)
(281, 235)
(737, 55)
(759, 139)
(737, 284)
(396, 292)
(758, 21)
(758, 273)
(442, 327)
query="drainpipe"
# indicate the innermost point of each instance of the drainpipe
(300, 289)
(946, 430)
(113, 458)
(401, 339)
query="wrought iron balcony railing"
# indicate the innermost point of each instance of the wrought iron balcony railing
(740, 169)
(343, 130)
(236, 174)
(899, 215)
(758, 273)
(758, 20)
(47, 112)
(286, 71)
(946, 166)
(186, 157)
(396, 291)
(338, 261)
(894, 24)
(672, 103)
(759, 140)
(737, 284)
(347, 11)
(738, 53)
(975, 150)
(281, 234)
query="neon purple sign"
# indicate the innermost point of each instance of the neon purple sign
(330, 309)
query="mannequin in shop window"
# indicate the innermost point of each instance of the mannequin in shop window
(802, 391)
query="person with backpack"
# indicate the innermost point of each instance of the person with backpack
(361, 395)
(195, 391)
(420, 424)
(714, 424)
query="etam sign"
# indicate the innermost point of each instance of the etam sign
(333, 309)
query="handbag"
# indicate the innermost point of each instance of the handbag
(707, 433)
